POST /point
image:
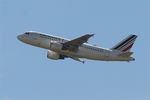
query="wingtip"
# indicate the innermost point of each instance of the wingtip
(83, 62)
(134, 35)
(91, 34)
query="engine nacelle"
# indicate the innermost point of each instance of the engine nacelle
(53, 55)
(55, 45)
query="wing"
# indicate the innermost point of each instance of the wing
(74, 44)
(77, 59)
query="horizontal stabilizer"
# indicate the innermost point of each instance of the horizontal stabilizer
(126, 54)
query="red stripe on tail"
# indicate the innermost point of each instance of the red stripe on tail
(129, 47)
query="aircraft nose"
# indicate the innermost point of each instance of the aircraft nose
(19, 37)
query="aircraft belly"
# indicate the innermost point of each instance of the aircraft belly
(83, 53)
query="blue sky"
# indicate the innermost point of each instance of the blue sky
(27, 74)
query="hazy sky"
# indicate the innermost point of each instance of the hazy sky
(27, 74)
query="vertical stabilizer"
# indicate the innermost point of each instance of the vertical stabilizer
(126, 44)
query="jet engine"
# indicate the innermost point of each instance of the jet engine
(53, 55)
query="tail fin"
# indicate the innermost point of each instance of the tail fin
(126, 44)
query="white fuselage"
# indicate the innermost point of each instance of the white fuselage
(84, 51)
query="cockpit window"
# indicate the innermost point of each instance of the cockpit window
(27, 33)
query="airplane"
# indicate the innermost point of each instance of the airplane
(61, 48)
